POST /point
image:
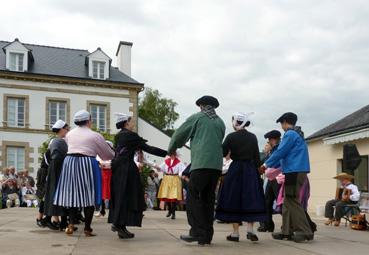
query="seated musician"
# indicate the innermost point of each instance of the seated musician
(347, 194)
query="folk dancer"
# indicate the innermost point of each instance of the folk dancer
(205, 130)
(127, 193)
(58, 151)
(272, 187)
(105, 166)
(80, 181)
(241, 197)
(170, 190)
(293, 157)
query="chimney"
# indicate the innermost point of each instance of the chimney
(124, 57)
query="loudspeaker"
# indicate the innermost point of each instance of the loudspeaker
(351, 158)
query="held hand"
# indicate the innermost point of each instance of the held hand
(262, 169)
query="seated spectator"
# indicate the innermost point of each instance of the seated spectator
(349, 195)
(149, 204)
(6, 174)
(21, 180)
(29, 178)
(10, 192)
(152, 187)
(29, 195)
(12, 173)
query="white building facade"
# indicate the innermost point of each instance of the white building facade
(41, 84)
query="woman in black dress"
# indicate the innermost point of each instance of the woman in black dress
(127, 195)
(241, 196)
(58, 151)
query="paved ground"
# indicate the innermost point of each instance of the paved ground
(20, 235)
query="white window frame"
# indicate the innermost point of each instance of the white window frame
(17, 56)
(15, 163)
(16, 113)
(100, 70)
(96, 121)
(58, 109)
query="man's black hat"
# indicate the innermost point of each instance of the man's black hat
(274, 134)
(207, 100)
(289, 117)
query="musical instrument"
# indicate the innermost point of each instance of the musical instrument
(343, 194)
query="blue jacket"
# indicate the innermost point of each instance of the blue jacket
(292, 154)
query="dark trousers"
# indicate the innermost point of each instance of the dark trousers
(340, 208)
(293, 214)
(41, 208)
(201, 200)
(172, 206)
(89, 214)
(271, 194)
(101, 207)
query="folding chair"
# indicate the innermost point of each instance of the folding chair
(352, 209)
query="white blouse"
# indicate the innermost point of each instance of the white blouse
(177, 169)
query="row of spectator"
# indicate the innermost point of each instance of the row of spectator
(17, 189)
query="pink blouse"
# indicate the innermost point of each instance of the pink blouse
(83, 140)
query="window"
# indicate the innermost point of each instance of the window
(15, 156)
(16, 62)
(16, 112)
(57, 110)
(98, 69)
(361, 173)
(98, 116)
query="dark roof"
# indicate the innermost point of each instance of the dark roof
(57, 61)
(355, 121)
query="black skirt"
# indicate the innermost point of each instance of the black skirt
(241, 196)
(53, 176)
(127, 197)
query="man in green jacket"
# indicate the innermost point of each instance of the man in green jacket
(205, 130)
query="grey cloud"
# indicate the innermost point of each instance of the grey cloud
(269, 57)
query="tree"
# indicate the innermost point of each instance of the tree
(158, 110)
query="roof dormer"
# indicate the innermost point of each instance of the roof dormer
(18, 56)
(98, 65)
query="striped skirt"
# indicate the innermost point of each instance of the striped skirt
(80, 182)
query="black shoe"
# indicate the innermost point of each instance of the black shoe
(233, 238)
(252, 237)
(301, 237)
(123, 233)
(63, 225)
(52, 226)
(56, 224)
(189, 239)
(114, 228)
(40, 223)
(169, 214)
(173, 216)
(281, 236)
(203, 243)
(262, 229)
(313, 227)
(81, 218)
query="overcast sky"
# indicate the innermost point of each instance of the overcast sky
(268, 57)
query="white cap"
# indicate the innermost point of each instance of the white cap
(121, 117)
(81, 115)
(241, 117)
(59, 124)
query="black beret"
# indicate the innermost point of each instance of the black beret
(290, 117)
(207, 100)
(274, 134)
